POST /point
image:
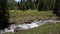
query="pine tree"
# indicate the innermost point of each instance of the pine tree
(4, 15)
(56, 9)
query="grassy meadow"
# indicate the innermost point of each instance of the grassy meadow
(19, 16)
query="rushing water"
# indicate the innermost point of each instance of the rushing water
(27, 26)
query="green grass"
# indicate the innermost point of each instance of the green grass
(44, 29)
(18, 16)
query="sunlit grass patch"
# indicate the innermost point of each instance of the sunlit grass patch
(20, 16)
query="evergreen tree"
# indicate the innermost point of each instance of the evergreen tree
(56, 9)
(21, 1)
(4, 15)
(46, 5)
(12, 4)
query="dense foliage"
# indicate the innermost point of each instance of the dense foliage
(56, 9)
(4, 15)
(32, 4)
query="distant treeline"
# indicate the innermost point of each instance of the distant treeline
(31, 4)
